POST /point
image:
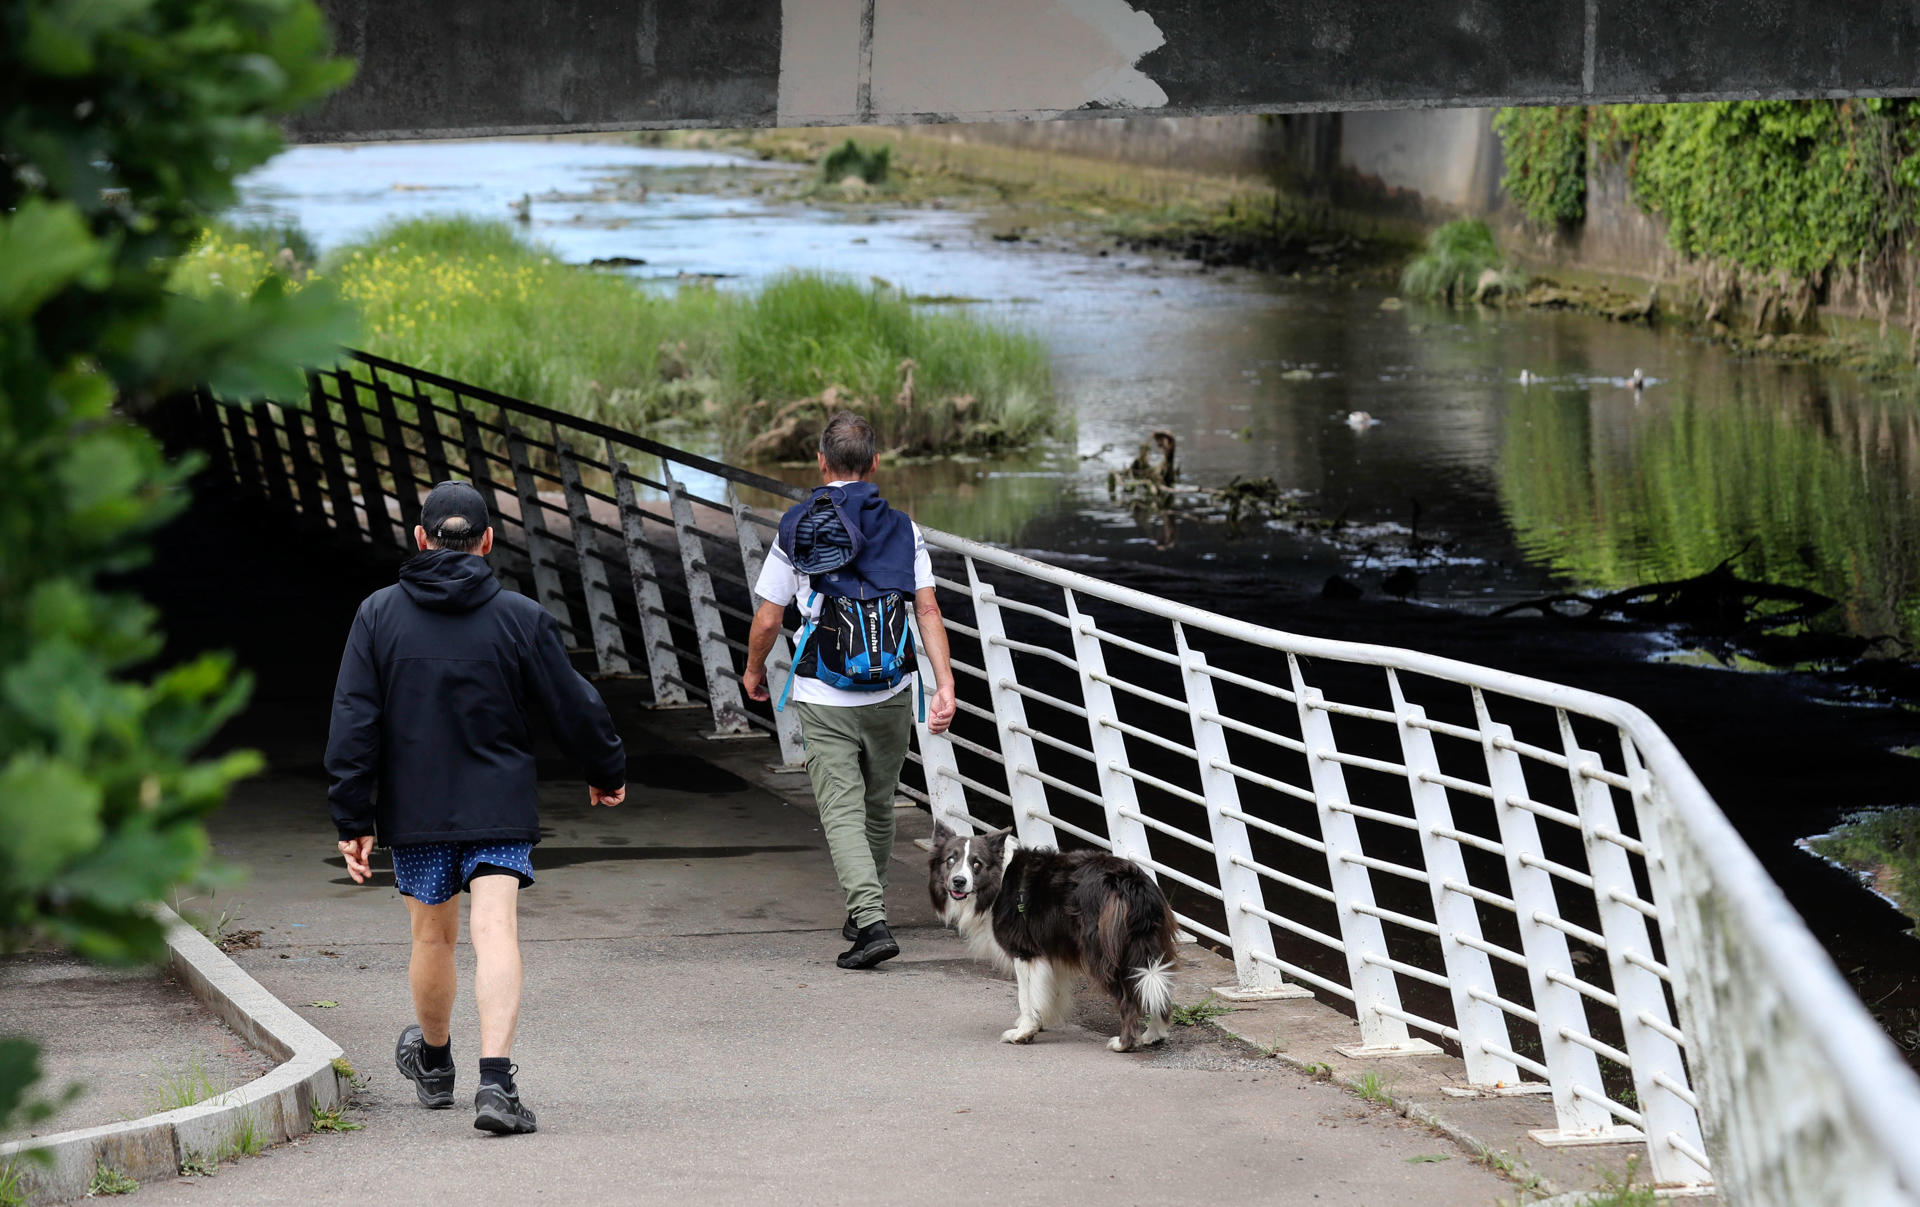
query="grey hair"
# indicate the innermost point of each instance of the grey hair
(848, 443)
(456, 535)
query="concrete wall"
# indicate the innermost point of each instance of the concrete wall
(432, 69)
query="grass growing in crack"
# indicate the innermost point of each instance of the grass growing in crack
(344, 1070)
(1317, 1070)
(245, 1139)
(1206, 1009)
(13, 1190)
(184, 1087)
(197, 1165)
(334, 1119)
(108, 1180)
(1372, 1087)
(1620, 1190)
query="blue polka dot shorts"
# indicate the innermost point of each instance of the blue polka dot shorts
(432, 872)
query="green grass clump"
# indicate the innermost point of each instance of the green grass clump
(334, 1119)
(466, 298)
(870, 164)
(1455, 258)
(1207, 1008)
(13, 1188)
(929, 380)
(183, 1087)
(108, 1180)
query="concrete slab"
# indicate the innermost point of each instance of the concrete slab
(132, 1040)
(686, 1037)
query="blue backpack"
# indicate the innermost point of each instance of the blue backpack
(864, 644)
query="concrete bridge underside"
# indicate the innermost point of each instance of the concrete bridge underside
(505, 67)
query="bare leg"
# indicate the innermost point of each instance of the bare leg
(494, 927)
(430, 973)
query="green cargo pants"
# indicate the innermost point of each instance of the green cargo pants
(853, 758)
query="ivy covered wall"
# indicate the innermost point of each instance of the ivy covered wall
(1781, 204)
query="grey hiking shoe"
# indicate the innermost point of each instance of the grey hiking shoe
(848, 930)
(498, 1109)
(434, 1087)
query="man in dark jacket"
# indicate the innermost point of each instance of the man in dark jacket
(431, 753)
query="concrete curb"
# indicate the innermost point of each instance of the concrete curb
(274, 1107)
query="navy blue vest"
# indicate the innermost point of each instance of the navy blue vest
(884, 537)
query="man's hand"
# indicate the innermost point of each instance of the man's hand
(358, 853)
(597, 797)
(754, 681)
(940, 713)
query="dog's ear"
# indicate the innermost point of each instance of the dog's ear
(940, 832)
(995, 837)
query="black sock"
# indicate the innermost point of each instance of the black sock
(496, 1070)
(436, 1058)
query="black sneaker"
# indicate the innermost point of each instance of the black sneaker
(498, 1109)
(433, 1086)
(871, 945)
(848, 930)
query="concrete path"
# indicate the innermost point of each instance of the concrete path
(686, 1037)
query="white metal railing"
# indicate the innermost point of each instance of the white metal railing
(1523, 872)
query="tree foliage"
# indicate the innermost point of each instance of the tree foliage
(122, 126)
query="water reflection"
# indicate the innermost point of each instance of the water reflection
(1805, 488)
(1883, 849)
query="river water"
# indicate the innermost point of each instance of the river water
(1574, 482)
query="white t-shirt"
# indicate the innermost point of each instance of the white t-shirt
(780, 583)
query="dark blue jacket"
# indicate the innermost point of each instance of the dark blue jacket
(430, 739)
(885, 560)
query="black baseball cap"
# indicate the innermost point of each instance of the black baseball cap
(454, 500)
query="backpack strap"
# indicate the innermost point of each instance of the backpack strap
(799, 648)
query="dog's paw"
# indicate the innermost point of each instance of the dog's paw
(1117, 1044)
(1019, 1034)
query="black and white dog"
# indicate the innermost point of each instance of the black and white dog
(1049, 916)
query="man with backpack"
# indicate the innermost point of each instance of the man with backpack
(859, 572)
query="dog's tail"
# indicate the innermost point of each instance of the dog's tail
(1153, 984)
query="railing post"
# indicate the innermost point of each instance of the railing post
(1647, 811)
(723, 685)
(306, 476)
(406, 487)
(327, 436)
(433, 445)
(609, 652)
(946, 795)
(663, 662)
(533, 527)
(1549, 965)
(1659, 1073)
(1240, 891)
(246, 455)
(1374, 990)
(1108, 744)
(786, 724)
(1481, 1023)
(510, 565)
(1028, 794)
(366, 471)
(273, 460)
(214, 436)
